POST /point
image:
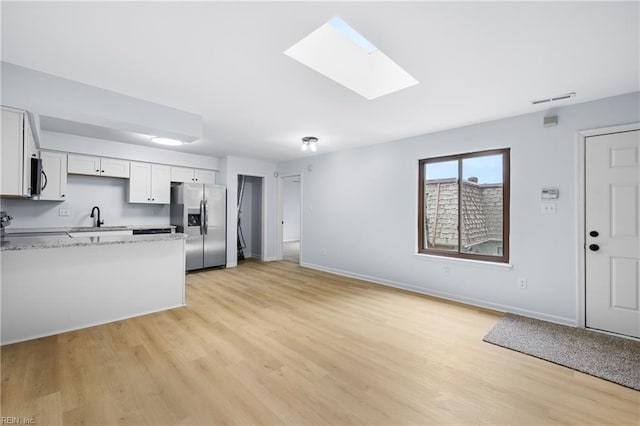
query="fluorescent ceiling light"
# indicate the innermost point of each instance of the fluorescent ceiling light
(166, 141)
(340, 53)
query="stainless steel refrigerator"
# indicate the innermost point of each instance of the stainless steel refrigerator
(200, 212)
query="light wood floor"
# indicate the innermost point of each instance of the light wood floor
(279, 344)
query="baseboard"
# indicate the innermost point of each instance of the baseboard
(272, 259)
(448, 296)
(290, 241)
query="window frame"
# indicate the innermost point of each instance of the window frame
(506, 196)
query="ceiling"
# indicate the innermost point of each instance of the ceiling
(224, 61)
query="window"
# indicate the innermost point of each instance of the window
(464, 206)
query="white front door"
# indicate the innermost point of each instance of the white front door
(612, 220)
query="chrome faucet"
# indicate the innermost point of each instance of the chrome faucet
(97, 221)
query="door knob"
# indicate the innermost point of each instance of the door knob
(594, 233)
(594, 247)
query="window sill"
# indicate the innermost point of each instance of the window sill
(469, 262)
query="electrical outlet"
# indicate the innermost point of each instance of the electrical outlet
(522, 283)
(445, 269)
(64, 212)
(548, 208)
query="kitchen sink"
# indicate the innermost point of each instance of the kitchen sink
(103, 231)
(99, 229)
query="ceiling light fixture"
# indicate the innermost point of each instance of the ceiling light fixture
(310, 143)
(166, 141)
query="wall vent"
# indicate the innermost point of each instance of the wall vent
(553, 98)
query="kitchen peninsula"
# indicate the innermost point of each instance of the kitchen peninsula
(52, 282)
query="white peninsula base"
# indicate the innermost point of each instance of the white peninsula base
(52, 290)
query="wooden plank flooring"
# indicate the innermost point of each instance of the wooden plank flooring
(274, 343)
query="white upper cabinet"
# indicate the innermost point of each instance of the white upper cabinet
(205, 176)
(16, 150)
(183, 174)
(83, 165)
(30, 151)
(114, 168)
(149, 183)
(160, 184)
(54, 167)
(96, 166)
(140, 183)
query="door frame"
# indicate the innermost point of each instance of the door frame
(280, 228)
(581, 252)
(263, 219)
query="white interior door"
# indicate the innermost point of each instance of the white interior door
(612, 220)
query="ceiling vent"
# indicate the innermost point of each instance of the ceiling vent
(553, 99)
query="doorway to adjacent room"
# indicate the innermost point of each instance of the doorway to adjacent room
(291, 190)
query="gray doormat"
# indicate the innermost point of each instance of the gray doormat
(611, 358)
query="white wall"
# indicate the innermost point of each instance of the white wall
(360, 206)
(291, 209)
(46, 94)
(84, 192)
(231, 167)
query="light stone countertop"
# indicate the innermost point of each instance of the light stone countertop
(10, 230)
(59, 241)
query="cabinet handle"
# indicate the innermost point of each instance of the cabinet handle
(33, 155)
(101, 171)
(153, 199)
(148, 199)
(196, 179)
(62, 195)
(98, 170)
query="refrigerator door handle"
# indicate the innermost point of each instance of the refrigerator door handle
(202, 217)
(206, 217)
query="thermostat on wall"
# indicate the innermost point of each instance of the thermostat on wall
(550, 193)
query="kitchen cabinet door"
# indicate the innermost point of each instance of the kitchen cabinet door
(30, 151)
(11, 153)
(207, 177)
(160, 184)
(181, 174)
(54, 166)
(140, 183)
(83, 165)
(114, 168)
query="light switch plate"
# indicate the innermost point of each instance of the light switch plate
(64, 212)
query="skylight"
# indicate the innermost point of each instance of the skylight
(337, 23)
(339, 52)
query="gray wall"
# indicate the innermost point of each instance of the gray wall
(360, 211)
(251, 216)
